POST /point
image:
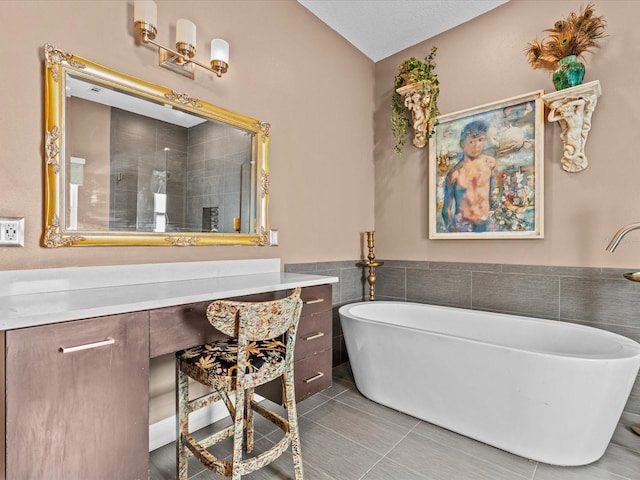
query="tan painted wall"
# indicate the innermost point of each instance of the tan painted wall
(318, 93)
(482, 61)
(88, 137)
(287, 68)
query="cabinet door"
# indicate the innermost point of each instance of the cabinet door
(77, 398)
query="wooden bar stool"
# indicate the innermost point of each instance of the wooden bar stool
(260, 349)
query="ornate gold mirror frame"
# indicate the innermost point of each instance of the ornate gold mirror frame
(59, 66)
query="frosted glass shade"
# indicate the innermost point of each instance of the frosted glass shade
(186, 31)
(145, 11)
(220, 50)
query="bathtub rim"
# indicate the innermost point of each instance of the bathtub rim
(629, 348)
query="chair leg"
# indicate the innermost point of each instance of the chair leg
(238, 434)
(182, 422)
(292, 415)
(248, 426)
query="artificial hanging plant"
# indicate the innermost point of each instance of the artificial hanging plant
(422, 99)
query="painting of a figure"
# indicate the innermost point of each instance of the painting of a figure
(485, 172)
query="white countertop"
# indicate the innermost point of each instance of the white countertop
(56, 305)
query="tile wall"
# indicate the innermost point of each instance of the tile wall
(205, 172)
(598, 297)
(349, 289)
(219, 177)
(147, 156)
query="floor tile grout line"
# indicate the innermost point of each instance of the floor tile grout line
(383, 456)
(328, 399)
(389, 451)
(535, 470)
(343, 436)
(464, 452)
(615, 475)
(471, 455)
(629, 449)
(418, 422)
(372, 415)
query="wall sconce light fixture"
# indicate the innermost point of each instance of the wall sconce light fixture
(180, 60)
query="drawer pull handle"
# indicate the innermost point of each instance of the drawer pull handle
(87, 346)
(314, 377)
(315, 300)
(314, 336)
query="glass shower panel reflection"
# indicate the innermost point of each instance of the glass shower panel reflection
(163, 177)
(218, 179)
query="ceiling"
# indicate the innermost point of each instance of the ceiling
(380, 28)
(93, 92)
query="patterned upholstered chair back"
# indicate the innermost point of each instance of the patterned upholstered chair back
(260, 321)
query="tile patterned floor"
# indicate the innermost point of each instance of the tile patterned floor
(347, 437)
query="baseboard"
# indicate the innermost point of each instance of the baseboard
(163, 432)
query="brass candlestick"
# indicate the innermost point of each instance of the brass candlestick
(372, 264)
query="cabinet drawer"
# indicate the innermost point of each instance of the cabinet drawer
(312, 374)
(183, 326)
(316, 299)
(314, 334)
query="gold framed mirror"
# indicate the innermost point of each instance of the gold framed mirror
(132, 163)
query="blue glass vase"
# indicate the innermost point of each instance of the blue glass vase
(570, 73)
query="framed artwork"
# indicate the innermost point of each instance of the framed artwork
(486, 171)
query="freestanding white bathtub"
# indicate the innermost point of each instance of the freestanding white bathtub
(546, 390)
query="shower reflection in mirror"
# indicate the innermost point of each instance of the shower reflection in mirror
(170, 171)
(75, 181)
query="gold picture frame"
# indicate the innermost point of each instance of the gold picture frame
(60, 68)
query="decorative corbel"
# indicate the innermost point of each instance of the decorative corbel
(572, 109)
(417, 101)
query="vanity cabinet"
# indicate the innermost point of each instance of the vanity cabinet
(77, 398)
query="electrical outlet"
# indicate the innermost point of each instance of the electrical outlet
(12, 231)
